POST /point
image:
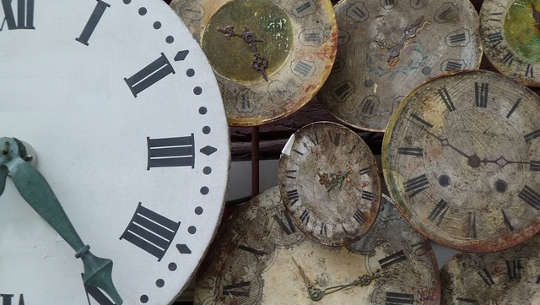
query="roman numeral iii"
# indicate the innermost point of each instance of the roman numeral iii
(92, 23)
(25, 15)
(171, 152)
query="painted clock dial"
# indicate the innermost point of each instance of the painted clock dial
(270, 56)
(270, 262)
(388, 47)
(460, 158)
(510, 31)
(329, 183)
(124, 114)
(504, 278)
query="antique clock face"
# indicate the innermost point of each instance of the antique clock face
(510, 31)
(503, 278)
(262, 258)
(460, 158)
(270, 56)
(388, 47)
(329, 182)
(121, 112)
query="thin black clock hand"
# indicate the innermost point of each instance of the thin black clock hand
(38, 194)
(362, 281)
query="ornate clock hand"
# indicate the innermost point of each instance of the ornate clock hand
(36, 191)
(362, 281)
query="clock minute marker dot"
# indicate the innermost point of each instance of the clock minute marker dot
(203, 110)
(172, 266)
(207, 170)
(199, 210)
(192, 230)
(197, 90)
(157, 25)
(501, 186)
(205, 190)
(169, 39)
(144, 298)
(444, 180)
(160, 283)
(127, 1)
(426, 70)
(190, 72)
(143, 11)
(206, 129)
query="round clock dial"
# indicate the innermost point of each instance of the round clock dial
(270, 262)
(329, 182)
(460, 158)
(270, 56)
(504, 278)
(124, 116)
(396, 45)
(510, 31)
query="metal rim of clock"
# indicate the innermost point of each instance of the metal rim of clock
(475, 247)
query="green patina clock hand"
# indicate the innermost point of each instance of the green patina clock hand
(36, 191)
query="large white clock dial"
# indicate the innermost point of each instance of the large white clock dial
(125, 117)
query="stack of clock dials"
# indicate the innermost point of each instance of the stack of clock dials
(460, 156)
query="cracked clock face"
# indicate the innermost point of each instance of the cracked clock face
(262, 258)
(510, 31)
(503, 278)
(270, 56)
(460, 158)
(124, 119)
(329, 182)
(389, 47)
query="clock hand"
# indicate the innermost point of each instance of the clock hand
(362, 281)
(315, 294)
(38, 194)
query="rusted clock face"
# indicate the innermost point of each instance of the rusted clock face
(510, 31)
(503, 278)
(270, 56)
(388, 47)
(329, 183)
(460, 158)
(266, 260)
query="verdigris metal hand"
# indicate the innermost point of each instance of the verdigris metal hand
(38, 194)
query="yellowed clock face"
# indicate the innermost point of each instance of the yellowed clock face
(461, 159)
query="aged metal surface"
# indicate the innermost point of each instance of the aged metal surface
(329, 182)
(388, 47)
(460, 158)
(298, 39)
(510, 31)
(510, 277)
(262, 259)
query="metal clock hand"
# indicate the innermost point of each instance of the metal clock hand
(38, 194)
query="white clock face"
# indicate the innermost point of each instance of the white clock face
(125, 116)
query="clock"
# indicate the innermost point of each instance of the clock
(262, 258)
(460, 159)
(508, 277)
(115, 141)
(510, 31)
(270, 56)
(388, 47)
(329, 182)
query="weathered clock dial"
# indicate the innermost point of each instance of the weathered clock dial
(270, 56)
(122, 116)
(329, 183)
(388, 47)
(271, 262)
(504, 278)
(460, 158)
(510, 31)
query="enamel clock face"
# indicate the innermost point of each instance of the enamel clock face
(389, 47)
(503, 278)
(510, 31)
(329, 183)
(270, 56)
(270, 262)
(125, 122)
(460, 158)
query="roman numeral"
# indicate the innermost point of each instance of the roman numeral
(486, 277)
(304, 9)
(252, 250)
(459, 38)
(298, 152)
(495, 39)
(290, 174)
(447, 99)
(96, 295)
(25, 15)
(343, 92)
(364, 171)
(411, 151)
(305, 217)
(530, 197)
(323, 230)
(237, 290)
(507, 221)
(508, 58)
(421, 120)
(416, 185)
(514, 108)
(335, 138)
(466, 300)
(368, 105)
(8, 299)
(535, 166)
(150, 231)
(472, 225)
(293, 197)
(287, 226)
(92, 23)
(514, 269)
(171, 152)
(453, 65)
(481, 92)
(392, 259)
(149, 75)
(360, 217)
(396, 298)
(498, 14)
(439, 212)
(368, 196)
(358, 12)
(529, 72)
(533, 135)
(303, 68)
